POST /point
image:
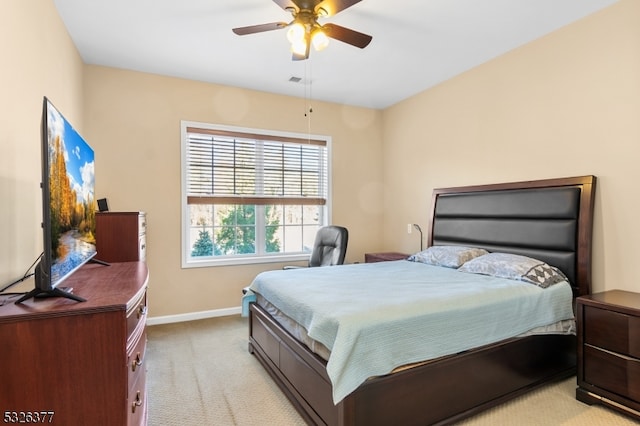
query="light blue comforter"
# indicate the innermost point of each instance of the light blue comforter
(379, 316)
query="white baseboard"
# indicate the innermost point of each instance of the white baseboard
(192, 316)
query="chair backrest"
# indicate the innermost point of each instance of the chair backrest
(330, 246)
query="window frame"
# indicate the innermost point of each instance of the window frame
(190, 262)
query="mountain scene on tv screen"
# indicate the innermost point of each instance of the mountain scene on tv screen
(72, 199)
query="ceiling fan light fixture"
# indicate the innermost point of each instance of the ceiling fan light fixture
(319, 39)
(304, 30)
(299, 47)
(296, 33)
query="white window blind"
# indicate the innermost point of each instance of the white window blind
(226, 167)
(250, 195)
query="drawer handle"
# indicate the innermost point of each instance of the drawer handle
(137, 362)
(142, 310)
(136, 403)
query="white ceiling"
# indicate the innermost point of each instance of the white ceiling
(416, 43)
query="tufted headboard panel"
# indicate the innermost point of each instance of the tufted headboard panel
(550, 220)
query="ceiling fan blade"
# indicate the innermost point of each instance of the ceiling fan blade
(347, 35)
(286, 4)
(252, 29)
(334, 6)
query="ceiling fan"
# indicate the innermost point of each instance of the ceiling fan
(305, 29)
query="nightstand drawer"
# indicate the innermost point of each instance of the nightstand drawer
(612, 331)
(384, 257)
(612, 372)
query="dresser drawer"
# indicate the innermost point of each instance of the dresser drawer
(142, 224)
(135, 360)
(137, 315)
(142, 248)
(612, 372)
(612, 331)
(137, 402)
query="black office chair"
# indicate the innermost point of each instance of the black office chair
(329, 247)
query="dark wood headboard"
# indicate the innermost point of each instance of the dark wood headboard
(550, 220)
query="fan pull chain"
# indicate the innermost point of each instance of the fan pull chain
(308, 97)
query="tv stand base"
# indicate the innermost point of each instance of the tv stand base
(54, 292)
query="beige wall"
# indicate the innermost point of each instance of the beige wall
(565, 105)
(38, 59)
(133, 122)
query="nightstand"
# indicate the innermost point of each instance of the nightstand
(608, 326)
(384, 257)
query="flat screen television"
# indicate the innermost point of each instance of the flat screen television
(68, 205)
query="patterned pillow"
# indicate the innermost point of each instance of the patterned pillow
(515, 267)
(447, 256)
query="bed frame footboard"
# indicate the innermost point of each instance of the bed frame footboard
(438, 392)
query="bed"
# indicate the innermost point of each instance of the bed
(550, 220)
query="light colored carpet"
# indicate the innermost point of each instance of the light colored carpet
(200, 373)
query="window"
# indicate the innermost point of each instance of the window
(250, 195)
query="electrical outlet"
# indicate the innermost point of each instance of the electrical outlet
(409, 227)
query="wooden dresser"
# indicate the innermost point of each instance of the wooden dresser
(79, 363)
(121, 236)
(609, 350)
